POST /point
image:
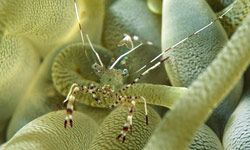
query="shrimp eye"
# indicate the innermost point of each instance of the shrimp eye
(125, 72)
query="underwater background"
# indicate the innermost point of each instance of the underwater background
(198, 98)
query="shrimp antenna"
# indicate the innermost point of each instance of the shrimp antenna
(123, 55)
(79, 23)
(97, 55)
(81, 32)
(186, 38)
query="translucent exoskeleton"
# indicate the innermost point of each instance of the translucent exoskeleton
(112, 80)
(111, 87)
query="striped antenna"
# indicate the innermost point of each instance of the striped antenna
(144, 73)
(79, 23)
(175, 45)
(81, 33)
(186, 38)
(123, 55)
